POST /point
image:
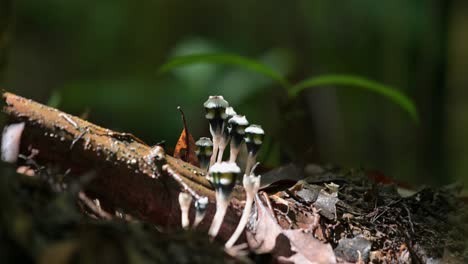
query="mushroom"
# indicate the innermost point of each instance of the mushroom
(200, 210)
(254, 135)
(185, 200)
(215, 108)
(204, 151)
(11, 139)
(251, 186)
(226, 136)
(223, 176)
(238, 124)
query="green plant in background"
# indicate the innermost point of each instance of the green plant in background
(112, 49)
(228, 59)
(293, 90)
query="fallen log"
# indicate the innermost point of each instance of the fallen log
(123, 179)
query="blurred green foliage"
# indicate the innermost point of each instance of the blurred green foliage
(293, 91)
(102, 58)
(229, 59)
(359, 82)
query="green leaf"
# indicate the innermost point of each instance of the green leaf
(228, 59)
(355, 81)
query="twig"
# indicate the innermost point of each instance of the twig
(97, 210)
(409, 218)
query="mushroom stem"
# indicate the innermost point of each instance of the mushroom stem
(250, 162)
(198, 219)
(251, 186)
(200, 207)
(225, 137)
(242, 222)
(253, 139)
(215, 108)
(234, 153)
(223, 176)
(185, 200)
(221, 208)
(215, 149)
(222, 147)
(11, 139)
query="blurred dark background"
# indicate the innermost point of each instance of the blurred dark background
(101, 57)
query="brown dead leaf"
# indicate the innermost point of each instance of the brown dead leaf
(316, 194)
(354, 249)
(326, 202)
(185, 148)
(286, 245)
(265, 230)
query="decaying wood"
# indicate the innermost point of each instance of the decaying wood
(124, 180)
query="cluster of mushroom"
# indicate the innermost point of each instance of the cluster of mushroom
(226, 126)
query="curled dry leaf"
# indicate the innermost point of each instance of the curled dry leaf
(286, 245)
(185, 148)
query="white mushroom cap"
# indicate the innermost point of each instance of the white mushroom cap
(215, 108)
(230, 111)
(202, 202)
(255, 129)
(254, 137)
(239, 120)
(204, 142)
(216, 101)
(223, 176)
(225, 167)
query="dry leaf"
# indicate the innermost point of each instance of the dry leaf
(353, 249)
(291, 245)
(185, 148)
(265, 230)
(326, 202)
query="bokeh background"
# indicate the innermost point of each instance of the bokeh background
(102, 57)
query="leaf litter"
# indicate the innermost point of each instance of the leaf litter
(335, 216)
(340, 216)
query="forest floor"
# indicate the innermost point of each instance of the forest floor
(46, 220)
(80, 193)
